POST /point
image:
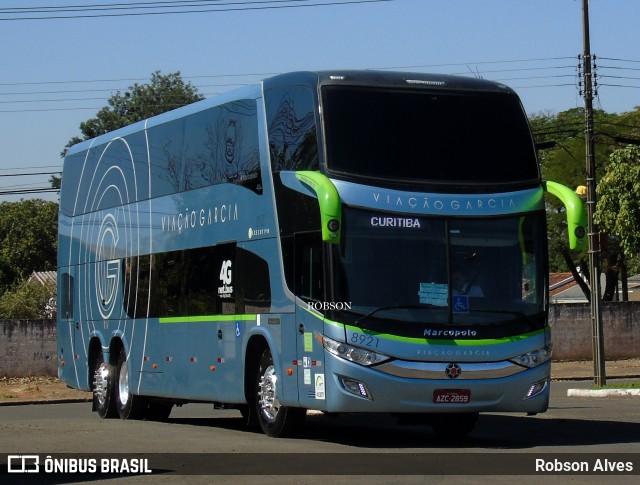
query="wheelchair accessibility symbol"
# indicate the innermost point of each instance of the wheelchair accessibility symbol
(460, 303)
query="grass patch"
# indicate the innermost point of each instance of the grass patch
(621, 385)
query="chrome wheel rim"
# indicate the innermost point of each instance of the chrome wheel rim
(101, 383)
(269, 403)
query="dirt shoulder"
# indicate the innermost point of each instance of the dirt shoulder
(37, 389)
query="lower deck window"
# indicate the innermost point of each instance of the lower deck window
(216, 280)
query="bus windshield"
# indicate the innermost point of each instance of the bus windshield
(412, 136)
(443, 271)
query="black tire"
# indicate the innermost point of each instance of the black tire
(129, 405)
(454, 426)
(275, 420)
(102, 387)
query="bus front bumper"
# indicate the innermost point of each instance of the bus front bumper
(509, 388)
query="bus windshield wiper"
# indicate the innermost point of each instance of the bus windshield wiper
(394, 307)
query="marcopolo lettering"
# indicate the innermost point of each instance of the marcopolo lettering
(450, 333)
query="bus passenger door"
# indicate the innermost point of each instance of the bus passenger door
(310, 288)
(68, 326)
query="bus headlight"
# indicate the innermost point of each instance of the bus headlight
(358, 355)
(533, 358)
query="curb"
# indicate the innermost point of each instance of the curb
(602, 392)
(45, 401)
(590, 378)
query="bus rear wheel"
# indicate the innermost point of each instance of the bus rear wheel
(275, 420)
(130, 406)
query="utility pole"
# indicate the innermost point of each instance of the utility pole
(593, 235)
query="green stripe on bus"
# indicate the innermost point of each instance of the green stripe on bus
(209, 318)
(456, 342)
(431, 341)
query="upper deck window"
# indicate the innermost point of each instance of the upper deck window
(427, 136)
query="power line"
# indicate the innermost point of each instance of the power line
(5, 101)
(105, 6)
(34, 167)
(28, 174)
(260, 6)
(28, 191)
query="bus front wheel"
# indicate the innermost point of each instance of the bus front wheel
(275, 420)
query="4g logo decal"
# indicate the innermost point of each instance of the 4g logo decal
(226, 278)
(225, 272)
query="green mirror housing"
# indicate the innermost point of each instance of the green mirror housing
(329, 202)
(576, 213)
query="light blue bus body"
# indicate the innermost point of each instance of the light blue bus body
(193, 265)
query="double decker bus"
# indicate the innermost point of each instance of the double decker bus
(348, 242)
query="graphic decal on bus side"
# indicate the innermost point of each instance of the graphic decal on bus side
(320, 386)
(107, 274)
(226, 290)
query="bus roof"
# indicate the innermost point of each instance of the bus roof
(387, 79)
(391, 79)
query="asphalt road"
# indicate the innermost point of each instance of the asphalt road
(368, 448)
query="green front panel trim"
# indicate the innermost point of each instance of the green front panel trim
(576, 213)
(210, 318)
(328, 200)
(459, 343)
(423, 341)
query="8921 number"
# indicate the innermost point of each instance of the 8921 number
(366, 340)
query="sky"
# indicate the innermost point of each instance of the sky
(57, 72)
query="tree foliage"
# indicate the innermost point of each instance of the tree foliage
(618, 209)
(163, 93)
(28, 301)
(28, 239)
(562, 159)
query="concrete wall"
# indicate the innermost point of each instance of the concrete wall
(573, 336)
(28, 348)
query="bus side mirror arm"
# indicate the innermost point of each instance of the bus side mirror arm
(329, 202)
(576, 213)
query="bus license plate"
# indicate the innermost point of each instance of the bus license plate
(452, 396)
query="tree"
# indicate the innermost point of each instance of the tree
(28, 239)
(141, 101)
(55, 182)
(618, 209)
(562, 159)
(28, 301)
